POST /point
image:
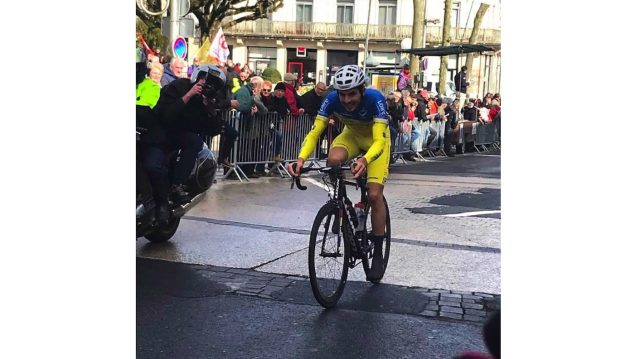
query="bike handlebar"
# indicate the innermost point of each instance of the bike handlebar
(330, 169)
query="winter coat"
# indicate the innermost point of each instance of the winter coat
(290, 95)
(460, 80)
(147, 93)
(192, 116)
(311, 102)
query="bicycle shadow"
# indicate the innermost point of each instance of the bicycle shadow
(363, 296)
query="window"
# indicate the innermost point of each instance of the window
(304, 11)
(387, 12)
(261, 58)
(345, 12)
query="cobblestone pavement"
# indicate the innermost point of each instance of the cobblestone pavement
(436, 303)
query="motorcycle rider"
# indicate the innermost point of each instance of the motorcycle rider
(186, 109)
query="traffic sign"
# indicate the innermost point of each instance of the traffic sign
(180, 47)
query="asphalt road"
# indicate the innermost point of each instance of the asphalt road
(232, 282)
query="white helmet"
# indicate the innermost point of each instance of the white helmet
(348, 77)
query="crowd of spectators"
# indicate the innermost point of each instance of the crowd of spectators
(413, 115)
(412, 112)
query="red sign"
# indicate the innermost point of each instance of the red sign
(301, 52)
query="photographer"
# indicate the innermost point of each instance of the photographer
(186, 109)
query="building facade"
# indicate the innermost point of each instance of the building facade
(313, 38)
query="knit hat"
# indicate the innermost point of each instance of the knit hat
(280, 86)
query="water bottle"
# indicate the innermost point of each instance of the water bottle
(359, 207)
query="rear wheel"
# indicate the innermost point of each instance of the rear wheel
(386, 244)
(328, 256)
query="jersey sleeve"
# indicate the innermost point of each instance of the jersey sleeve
(328, 106)
(309, 143)
(378, 145)
(380, 113)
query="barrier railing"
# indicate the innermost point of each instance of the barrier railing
(272, 140)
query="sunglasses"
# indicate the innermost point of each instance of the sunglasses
(266, 90)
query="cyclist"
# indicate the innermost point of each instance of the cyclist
(366, 128)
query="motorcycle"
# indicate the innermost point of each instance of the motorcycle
(202, 177)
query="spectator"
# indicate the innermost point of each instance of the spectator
(433, 107)
(247, 69)
(172, 71)
(486, 102)
(229, 133)
(240, 81)
(422, 110)
(193, 67)
(148, 91)
(404, 78)
(266, 97)
(231, 71)
(460, 80)
(312, 100)
(291, 82)
(410, 125)
(497, 97)
(279, 102)
(470, 111)
(494, 109)
(451, 113)
(394, 108)
(247, 108)
(237, 67)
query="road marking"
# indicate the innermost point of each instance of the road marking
(423, 243)
(467, 214)
(316, 183)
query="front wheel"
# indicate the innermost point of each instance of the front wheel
(164, 233)
(386, 243)
(328, 256)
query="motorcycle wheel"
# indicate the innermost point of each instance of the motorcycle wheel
(163, 234)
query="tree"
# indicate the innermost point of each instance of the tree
(149, 26)
(446, 40)
(271, 74)
(417, 32)
(477, 21)
(214, 13)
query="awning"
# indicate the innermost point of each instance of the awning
(447, 50)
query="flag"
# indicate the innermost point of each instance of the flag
(219, 50)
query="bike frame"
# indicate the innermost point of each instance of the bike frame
(340, 199)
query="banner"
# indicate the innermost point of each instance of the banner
(219, 50)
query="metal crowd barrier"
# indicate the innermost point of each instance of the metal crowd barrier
(259, 134)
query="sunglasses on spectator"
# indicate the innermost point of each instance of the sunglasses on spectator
(266, 90)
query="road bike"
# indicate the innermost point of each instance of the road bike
(340, 236)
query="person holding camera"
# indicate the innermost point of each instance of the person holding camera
(186, 109)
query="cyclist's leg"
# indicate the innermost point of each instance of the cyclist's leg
(377, 173)
(343, 148)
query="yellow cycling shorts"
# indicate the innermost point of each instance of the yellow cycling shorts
(377, 170)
